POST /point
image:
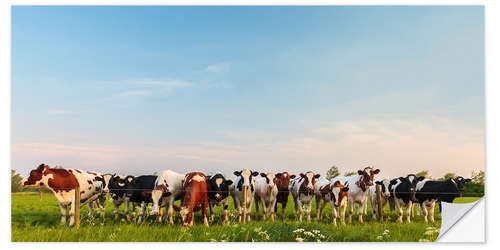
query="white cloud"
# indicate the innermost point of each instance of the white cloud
(218, 67)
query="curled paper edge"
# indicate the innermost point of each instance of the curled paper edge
(453, 215)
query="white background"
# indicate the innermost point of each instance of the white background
(492, 14)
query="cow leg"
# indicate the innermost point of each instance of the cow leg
(126, 210)
(400, 211)
(424, 211)
(283, 207)
(409, 208)
(433, 204)
(264, 209)
(273, 209)
(226, 205)
(365, 208)
(373, 205)
(361, 208)
(309, 206)
(205, 218)
(257, 209)
(171, 212)
(72, 211)
(391, 207)
(249, 209)
(63, 213)
(141, 212)
(237, 207)
(211, 208)
(320, 216)
(102, 205)
(318, 201)
(351, 210)
(301, 209)
(91, 210)
(334, 212)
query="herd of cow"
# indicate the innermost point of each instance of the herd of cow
(198, 191)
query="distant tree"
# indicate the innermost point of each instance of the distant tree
(350, 173)
(478, 177)
(15, 179)
(423, 173)
(332, 173)
(449, 176)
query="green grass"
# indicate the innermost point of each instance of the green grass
(35, 221)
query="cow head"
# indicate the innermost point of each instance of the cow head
(412, 181)
(185, 216)
(218, 187)
(384, 187)
(340, 193)
(270, 178)
(460, 181)
(130, 185)
(35, 178)
(367, 176)
(282, 180)
(309, 180)
(245, 178)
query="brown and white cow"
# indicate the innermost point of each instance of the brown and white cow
(333, 192)
(194, 187)
(358, 189)
(302, 189)
(282, 182)
(62, 182)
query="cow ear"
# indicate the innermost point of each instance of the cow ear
(255, 173)
(467, 180)
(421, 178)
(376, 171)
(292, 176)
(337, 184)
(360, 172)
(345, 189)
(229, 182)
(262, 174)
(302, 175)
(237, 173)
(378, 183)
(42, 167)
(317, 176)
(278, 175)
(207, 177)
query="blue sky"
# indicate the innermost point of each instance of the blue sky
(142, 89)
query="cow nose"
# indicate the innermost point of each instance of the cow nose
(217, 196)
(387, 195)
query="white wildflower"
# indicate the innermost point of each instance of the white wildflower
(298, 239)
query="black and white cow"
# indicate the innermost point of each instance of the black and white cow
(114, 186)
(429, 192)
(372, 196)
(244, 179)
(218, 193)
(403, 194)
(138, 190)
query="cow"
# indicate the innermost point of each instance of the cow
(168, 189)
(282, 182)
(358, 188)
(402, 191)
(266, 192)
(218, 193)
(302, 189)
(244, 179)
(429, 192)
(334, 193)
(373, 196)
(115, 187)
(194, 188)
(138, 190)
(62, 182)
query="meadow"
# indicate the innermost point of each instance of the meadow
(33, 220)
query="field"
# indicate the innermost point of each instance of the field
(33, 220)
